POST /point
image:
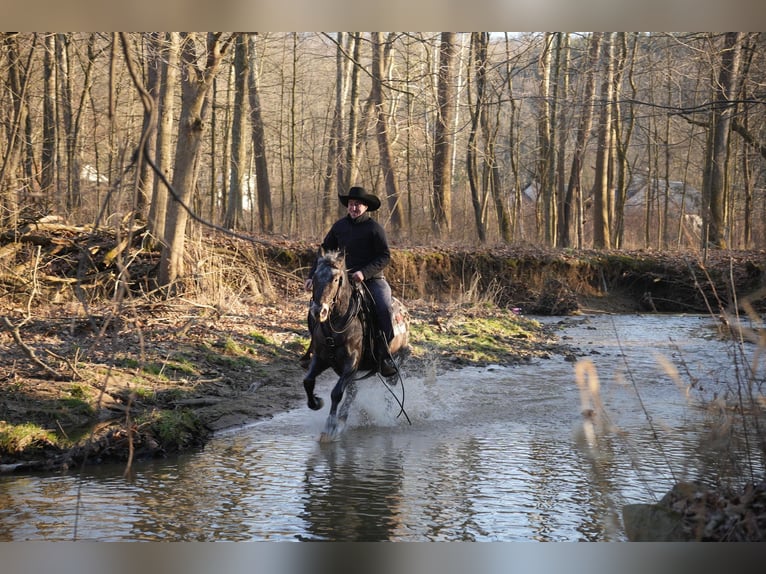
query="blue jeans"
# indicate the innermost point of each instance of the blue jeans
(381, 294)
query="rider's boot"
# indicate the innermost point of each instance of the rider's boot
(386, 366)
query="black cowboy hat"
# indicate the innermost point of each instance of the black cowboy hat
(371, 201)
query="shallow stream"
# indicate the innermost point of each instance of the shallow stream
(491, 454)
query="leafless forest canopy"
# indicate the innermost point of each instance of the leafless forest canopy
(604, 140)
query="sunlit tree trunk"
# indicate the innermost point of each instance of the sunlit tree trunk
(153, 63)
(18, 78)
(517, 229)
(442, 174)
(352, 140)
(263, 185)
(333, 172)
(238, 147)
(491, 167)
(602, 199)
(623, 131)
(714, 184)
(477, 60)
(195, 85)
(561, 130)
(49, 143)
(381, 131)
(71, 167)
(545, 147)
(168, 46)
(572, 215)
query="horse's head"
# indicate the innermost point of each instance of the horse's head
(328, 283)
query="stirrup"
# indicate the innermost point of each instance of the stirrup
(387, 368)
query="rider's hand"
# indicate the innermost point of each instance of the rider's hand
(357, 277)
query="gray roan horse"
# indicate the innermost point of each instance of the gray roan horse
(341, 337)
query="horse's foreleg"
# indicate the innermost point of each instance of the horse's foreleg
(315, 403)
(316, 368)
(334, 424)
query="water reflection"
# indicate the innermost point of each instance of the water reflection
(350, 496)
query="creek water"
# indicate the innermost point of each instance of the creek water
(491, 454)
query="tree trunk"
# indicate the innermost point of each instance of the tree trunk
(381, 131)
(238, 148)
(352, 169)
(442, 174)
(561, 131)
(602, 204)
(572, 216)
(714, 186)
(195, 85)
(263, 185)
(169, 48)
(622, 135)
(333, 172)
(146, 175)
(18, 79)
(477, 60)
(545, 210)
(49, 148)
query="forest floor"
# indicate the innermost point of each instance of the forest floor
(88, 376)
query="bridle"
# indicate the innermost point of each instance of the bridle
(353, 306)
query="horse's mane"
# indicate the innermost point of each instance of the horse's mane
(335, 258)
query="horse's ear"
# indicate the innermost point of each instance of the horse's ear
(321, 251)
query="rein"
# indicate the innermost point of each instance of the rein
(352, 311)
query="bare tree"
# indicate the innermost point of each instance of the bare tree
(477, 60)
(18, 82)
(717, 151)
(238, 147)
(623, 130)
(195, 85)
(381, 131)
(263, 185)
(333, 175)
(49, 154)
(571, 217)
(153, 63)
(545, 163)
(168, 46)
(602, 193)
(442, 174)
(352, 141)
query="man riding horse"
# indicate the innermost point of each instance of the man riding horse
(367, 254)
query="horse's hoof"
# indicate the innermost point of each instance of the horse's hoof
(316, 404)
(332, 429)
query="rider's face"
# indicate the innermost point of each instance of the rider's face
(356, 208)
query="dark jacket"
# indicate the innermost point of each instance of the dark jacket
(364, 241)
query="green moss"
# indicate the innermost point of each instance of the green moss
(25, 438)
(474, 339)
(76, 406)
(262, 339)
(174, 430)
